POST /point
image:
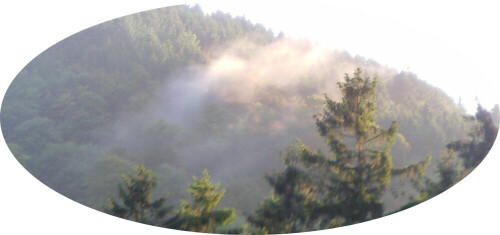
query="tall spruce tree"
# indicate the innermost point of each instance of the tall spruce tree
(199, 215)
(135, 193)
(316, 191)
(360, 151)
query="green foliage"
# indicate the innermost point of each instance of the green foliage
(199, 215)
(64, 167)
(292, 206)
(60, 112)
(159, 144)
(470, 152)
(18, 152)
(77, 88)
(449, 174)
(212, 121)
(427, 118)
(104, 86)
(106, 174)
(480, 141)
(315, 191)
(135, 194)
(173, 179)
(35, 134)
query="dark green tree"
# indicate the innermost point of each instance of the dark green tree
(345, 187)
(449, 174)
(481, 139)
(159, 144)
(290, 208)
(470, 152)
(107, 173)
(135, 194)
(200, 215)
(360, 151)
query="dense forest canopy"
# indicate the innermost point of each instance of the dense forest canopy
(179, 91)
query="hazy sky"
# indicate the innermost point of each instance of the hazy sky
(443, 43)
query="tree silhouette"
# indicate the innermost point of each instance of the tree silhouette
(481, 139)
(199, 215)
(471, 153)
(135, 194)
(317, 191)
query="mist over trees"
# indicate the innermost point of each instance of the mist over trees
(470, 151)
(317, 191)
(162, 95)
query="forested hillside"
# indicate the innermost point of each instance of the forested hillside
(62, 106)
(180, 91)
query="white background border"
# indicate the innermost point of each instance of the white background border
(28, 206)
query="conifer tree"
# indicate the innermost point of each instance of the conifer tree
(345, 187)
(481, 139)
(135, 194)
(470, 152)
(291, 206)
(200, 215)
(449, 174)
(362, 169)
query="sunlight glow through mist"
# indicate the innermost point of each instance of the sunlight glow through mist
(417, 39)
